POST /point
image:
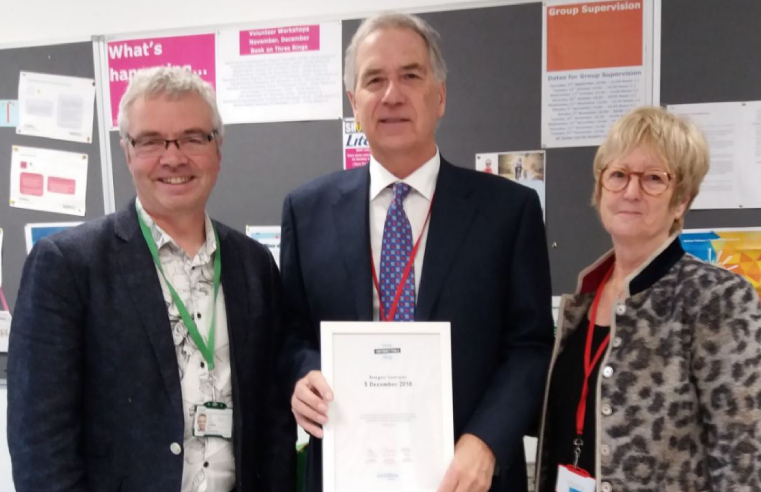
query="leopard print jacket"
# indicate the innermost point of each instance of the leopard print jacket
(682, 408)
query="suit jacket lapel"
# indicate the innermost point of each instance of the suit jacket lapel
(238, 322)
(351, 214)
(452, 214)
(236, 297)
(140, 276)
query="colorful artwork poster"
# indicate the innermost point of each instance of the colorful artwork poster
(356, 147)
(594, 69)
(194, 52)
(737, 250)
(524, 167)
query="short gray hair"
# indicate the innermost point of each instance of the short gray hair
(172, 82)
(399, 21)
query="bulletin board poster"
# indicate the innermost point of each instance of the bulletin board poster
(525, 167)
(738, 250)
(356, 146)
(595, 67)
(125, 57)
(280, 73)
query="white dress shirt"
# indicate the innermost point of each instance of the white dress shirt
(416, 206)
(209, 463)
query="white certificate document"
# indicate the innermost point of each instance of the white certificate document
(390, 425)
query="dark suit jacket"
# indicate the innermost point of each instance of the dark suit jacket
(485, 270)
(94, 398)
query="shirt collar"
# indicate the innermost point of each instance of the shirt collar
(162, 238)
(423, 180)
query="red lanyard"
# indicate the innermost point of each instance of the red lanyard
(589, 365)
(405, 274)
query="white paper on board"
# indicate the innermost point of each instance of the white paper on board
(280, 73)
(733, 132)
(48, 180)
(5, 330)
(269, 236)
(595, 67)
(55, 106)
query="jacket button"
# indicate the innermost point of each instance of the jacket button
(617, 342)
(175, 448)
(605, 450)
(606, 487)
(607, 372)
(620, 309)
(606, 410)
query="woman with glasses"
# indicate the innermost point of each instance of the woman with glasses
(655, 383)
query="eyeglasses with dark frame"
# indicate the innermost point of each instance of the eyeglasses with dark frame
(652, 182)
(196, 143)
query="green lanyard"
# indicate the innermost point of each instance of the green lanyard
(207, 350)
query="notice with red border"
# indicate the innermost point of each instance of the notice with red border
(595, 68)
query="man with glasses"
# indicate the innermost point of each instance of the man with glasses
(129, 328)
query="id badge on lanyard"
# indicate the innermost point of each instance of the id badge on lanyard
(213, 419)
(571, 478)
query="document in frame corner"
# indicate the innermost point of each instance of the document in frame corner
(390, 425)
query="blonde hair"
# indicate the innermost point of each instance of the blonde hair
(674, 140)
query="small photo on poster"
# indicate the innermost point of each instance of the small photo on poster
(523, 167)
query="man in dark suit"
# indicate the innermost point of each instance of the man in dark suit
(481, 260)
(130, 327)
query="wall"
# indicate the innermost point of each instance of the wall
(78, 20)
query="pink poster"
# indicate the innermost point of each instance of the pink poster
(194, 52)
(32, 184)
(290, 39)
(357, 158)
(356, 147)
(62, 185)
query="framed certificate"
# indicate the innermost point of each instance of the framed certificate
(390, 423)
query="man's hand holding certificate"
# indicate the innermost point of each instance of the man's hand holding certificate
(384, 399)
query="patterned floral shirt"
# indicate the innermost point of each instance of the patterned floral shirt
(209, 462)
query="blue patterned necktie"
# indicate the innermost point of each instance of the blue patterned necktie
(395, 252)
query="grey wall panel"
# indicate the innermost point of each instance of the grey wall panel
(67, 59)
(494, 104)
(710, 53)
(261, 163)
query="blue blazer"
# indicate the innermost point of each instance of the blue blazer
(94, 399)
(485, 270)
